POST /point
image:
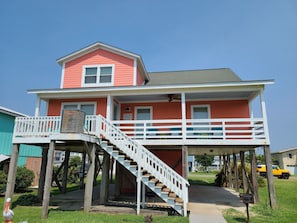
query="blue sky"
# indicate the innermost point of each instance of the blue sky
(256, 39)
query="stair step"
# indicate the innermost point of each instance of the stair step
(164, 195)
(158, 190)
(166, 189)
(172, 194)
(133, 168)
(178, 207)
(121, 158)
(171, 200)
(160, 184)
(178, 200)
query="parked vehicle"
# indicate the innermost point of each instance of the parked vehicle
(276, 171)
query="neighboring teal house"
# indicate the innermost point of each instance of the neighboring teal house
(7, 117)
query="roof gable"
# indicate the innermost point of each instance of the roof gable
(99, 45)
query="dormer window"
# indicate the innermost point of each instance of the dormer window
(98, 75)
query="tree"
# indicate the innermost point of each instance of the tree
(204, 160)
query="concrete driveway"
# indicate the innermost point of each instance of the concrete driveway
(207, 203)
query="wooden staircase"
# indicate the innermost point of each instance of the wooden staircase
(148, 169)
(148, 179)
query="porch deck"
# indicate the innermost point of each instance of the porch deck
(208, 132)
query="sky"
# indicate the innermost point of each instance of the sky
(256, 39)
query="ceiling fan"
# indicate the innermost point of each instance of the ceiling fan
(172, 97)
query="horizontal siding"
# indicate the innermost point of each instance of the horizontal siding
(140, 78)
(54, 106)
(172, 110)
(123, 73)
(6, 123)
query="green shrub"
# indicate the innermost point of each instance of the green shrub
(3, 181)
(261, 181)
(24, 179)
(27, 200)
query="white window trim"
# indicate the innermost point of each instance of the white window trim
(79, 105)
(98, 66)
(200, 106)
(143, 107)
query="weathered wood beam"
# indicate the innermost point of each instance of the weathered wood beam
(254, 175)
(185, 162)
(12, 171)
(270, 180)
(90, 178)
(235, 169)
(105, 179)
(65, 173)
(230, 182)
(48, 179)
(243, 171)
(42, 172)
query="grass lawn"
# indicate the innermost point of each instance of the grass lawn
(286, 196)
(286, 211)
(32, 214)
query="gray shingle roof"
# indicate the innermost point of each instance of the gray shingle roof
(192, 77)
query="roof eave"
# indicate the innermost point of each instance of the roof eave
(256, 85)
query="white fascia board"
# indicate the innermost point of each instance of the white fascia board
(135, 90)
(11, 112)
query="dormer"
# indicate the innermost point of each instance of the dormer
(101, 65)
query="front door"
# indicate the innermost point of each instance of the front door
(200, 113)
(142, 113)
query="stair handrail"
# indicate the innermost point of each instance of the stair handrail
(144, 158)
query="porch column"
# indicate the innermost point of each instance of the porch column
(270, 181)
(65, 173)
(264, 115)
(90, 177)
(42, 172)
(184, 115)
(12, 171)
(185, 162)
(109, 108)
(37, 108)
(254, 176)
(48, 179)
(105, 179)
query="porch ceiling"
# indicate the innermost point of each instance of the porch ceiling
(207, 150)
(189, 96)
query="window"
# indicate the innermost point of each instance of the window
(87, 108)
(98, 75)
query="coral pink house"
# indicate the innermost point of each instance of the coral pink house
(161, 116)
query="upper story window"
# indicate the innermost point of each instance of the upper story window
(98, 75)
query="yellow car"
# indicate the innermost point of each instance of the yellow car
(276, 171)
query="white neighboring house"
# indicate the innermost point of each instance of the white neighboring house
(287, 159)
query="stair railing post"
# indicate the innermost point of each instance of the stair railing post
(138, 179)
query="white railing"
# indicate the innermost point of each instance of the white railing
(41, 126)
(144, 158)
(175, 129)
(206, 129)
